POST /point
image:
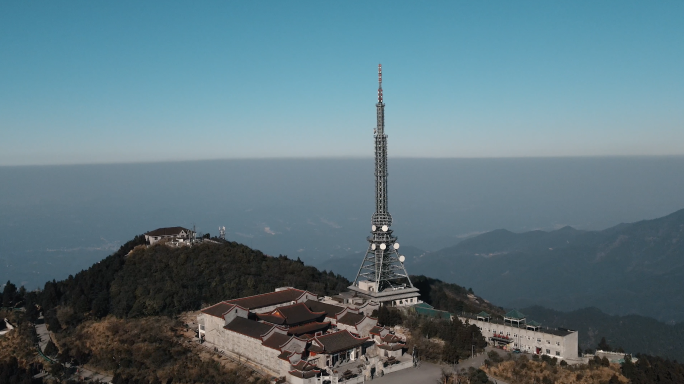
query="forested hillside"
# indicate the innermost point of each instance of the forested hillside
(119, 316)
(452, 297)
(161, 280)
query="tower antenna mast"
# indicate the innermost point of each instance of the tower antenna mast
(382, 276)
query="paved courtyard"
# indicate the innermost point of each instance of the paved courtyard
(424, 374)
(428, 373)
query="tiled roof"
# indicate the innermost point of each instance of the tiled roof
(390, 338)
(515, 314)
(376, 330)
(303, 366)
(350, 318)
(272, 318)
(170, 231)
(533, 323)
(247, 327)
(394, 347)
(219, 309)
(308, 328)
(340, 341)
(294, 314)
(285, 355)
(483, 314)
(330, 309)
(268, 299)
(304, 375)
(276, 340)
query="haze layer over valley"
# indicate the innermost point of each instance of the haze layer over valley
(57, 220)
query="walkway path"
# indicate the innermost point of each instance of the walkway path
(43, 334)
(82, 373)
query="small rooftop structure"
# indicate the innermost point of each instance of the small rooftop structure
(514, 316)
(533, 325)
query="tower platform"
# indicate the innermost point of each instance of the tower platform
(393, 297)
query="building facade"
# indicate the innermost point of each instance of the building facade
(515, 332)
(292, 334)
(174, 234)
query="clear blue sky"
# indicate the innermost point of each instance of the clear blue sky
(118, 81)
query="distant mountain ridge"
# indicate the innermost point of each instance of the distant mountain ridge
(629, 268)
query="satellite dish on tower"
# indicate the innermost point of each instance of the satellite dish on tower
(385, 228)
(396, 245)
(402, 258)
(374, 228)
(373, 247)
(383, 246)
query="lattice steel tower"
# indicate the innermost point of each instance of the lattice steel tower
(382, 269)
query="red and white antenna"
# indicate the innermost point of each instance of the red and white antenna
(379, 83)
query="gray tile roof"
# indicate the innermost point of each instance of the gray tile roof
(219, 309)
(247, 327)
(268, 299)
(308, 328)
(350, 318)
(340, 341)
(276, 340)
(330, 309)
(294, 314)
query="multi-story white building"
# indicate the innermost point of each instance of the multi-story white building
(515, 332)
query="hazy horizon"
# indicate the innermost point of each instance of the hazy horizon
(57, 220)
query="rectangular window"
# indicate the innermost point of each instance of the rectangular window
(558, 343)
(548, 341)
(557, 353)
(538, 340)
(548, 351)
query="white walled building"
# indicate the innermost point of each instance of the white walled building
(293, 335)
(516, 332)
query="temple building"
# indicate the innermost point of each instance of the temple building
(293, 334)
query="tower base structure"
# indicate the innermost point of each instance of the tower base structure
(392, 297)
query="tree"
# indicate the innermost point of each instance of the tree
(9, 294)
(603, 345)
(389, 317)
